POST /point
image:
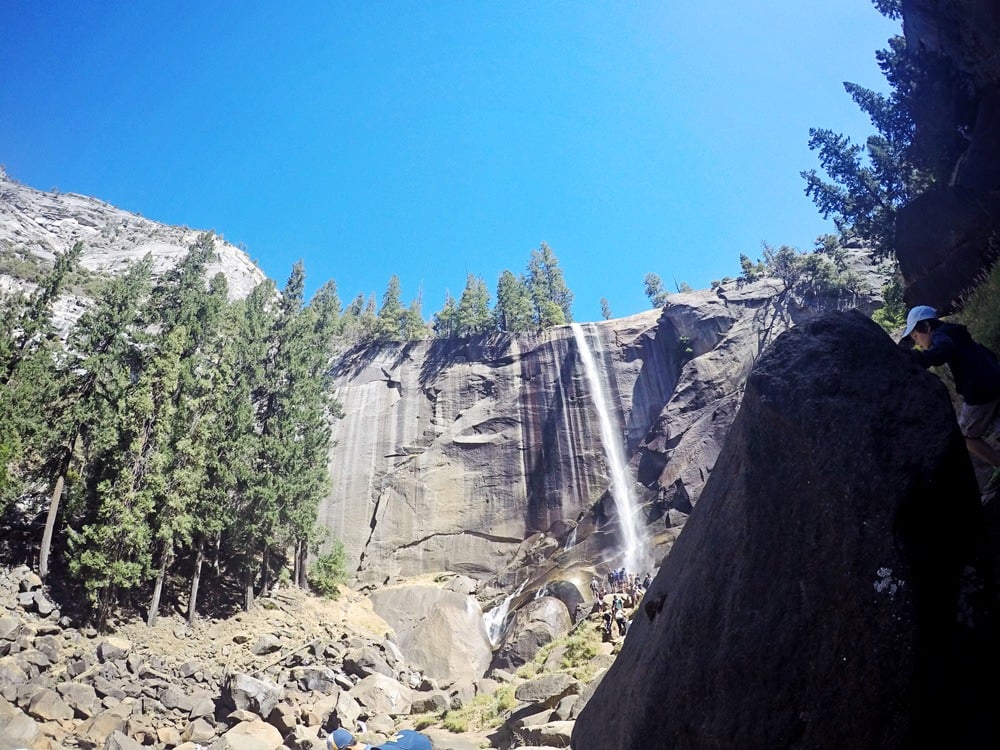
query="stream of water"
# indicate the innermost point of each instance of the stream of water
(632, 537)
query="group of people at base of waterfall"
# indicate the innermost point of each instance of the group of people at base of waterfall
(626, 590)
(976, 372)
(405, 739)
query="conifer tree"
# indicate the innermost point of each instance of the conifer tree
(473, 313)
(513, 311)
(389, 315)
(445, 323)
(101, 347)
(550, 296)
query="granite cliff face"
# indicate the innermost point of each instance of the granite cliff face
(948, 235)
(35, 225)
(458, 455)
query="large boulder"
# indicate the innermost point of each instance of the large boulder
(832, 587)
(539, 622)
(440, 632)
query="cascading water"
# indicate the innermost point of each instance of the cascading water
(496, 619)
(633, 539)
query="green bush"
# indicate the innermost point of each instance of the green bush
(981, 310)
(329, 571)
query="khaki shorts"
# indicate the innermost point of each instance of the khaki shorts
(975, 421)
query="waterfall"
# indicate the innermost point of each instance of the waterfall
(496, 619)
(626, 505)
(570, 539)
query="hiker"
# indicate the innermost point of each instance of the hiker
(976, 372)
(606, 629)
(405, 739)
(622, 622)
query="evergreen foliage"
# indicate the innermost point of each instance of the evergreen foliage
(653, 286)
(173, 423)
(867, 184)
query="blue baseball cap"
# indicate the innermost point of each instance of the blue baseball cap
(405, 739)
(338, 739)
(917, 314)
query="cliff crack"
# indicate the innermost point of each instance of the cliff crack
(480, 534)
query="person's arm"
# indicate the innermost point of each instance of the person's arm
(942, 348)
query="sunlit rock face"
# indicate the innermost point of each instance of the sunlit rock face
(37, 224)
(452, 453)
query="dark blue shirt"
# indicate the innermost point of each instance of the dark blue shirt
(973, 366)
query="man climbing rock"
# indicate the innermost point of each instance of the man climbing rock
(976, 372)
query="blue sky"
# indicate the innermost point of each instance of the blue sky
(435, 139)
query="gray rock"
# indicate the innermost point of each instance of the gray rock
(383, 695)
(244, 692)
(365, 660)
(436, 701)
(112, 648)
(120, 741)
(199, 731)
(547, 690)
(552, 734)
(268, 643)
(46, 705)
(537, 624)
(17, 729)
(440, 632)
(9, 628)
(29, 582)
(249, 735)
(846, 452)
(99, 728)
(81, 698)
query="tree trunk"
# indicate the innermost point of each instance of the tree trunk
(195, 581)
(154, 604)
(50, 518)
(248, 601)
(265, 578)
(301, 558)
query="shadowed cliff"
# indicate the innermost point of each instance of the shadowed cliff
(833, 588)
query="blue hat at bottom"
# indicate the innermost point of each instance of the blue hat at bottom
(338, 739)
(405, 739)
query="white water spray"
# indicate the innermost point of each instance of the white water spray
(621, 484)
(496, 619)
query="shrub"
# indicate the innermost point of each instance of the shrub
(981, 310)
(483, 712)
(329, 571)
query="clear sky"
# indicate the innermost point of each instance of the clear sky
(437, 138)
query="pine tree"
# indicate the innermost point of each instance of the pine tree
(868, 184)
(473, 313)
(101, 346)
(445, 322)
(605, 308)
(550, 296)
(513, 311)
(389, 315)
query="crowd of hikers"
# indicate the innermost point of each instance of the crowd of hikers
(625, 591)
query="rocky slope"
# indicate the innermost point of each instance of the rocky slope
(281, 675)
(35, 225)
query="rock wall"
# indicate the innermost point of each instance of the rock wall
(452, 453)
(816, 597)
(946, 237)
